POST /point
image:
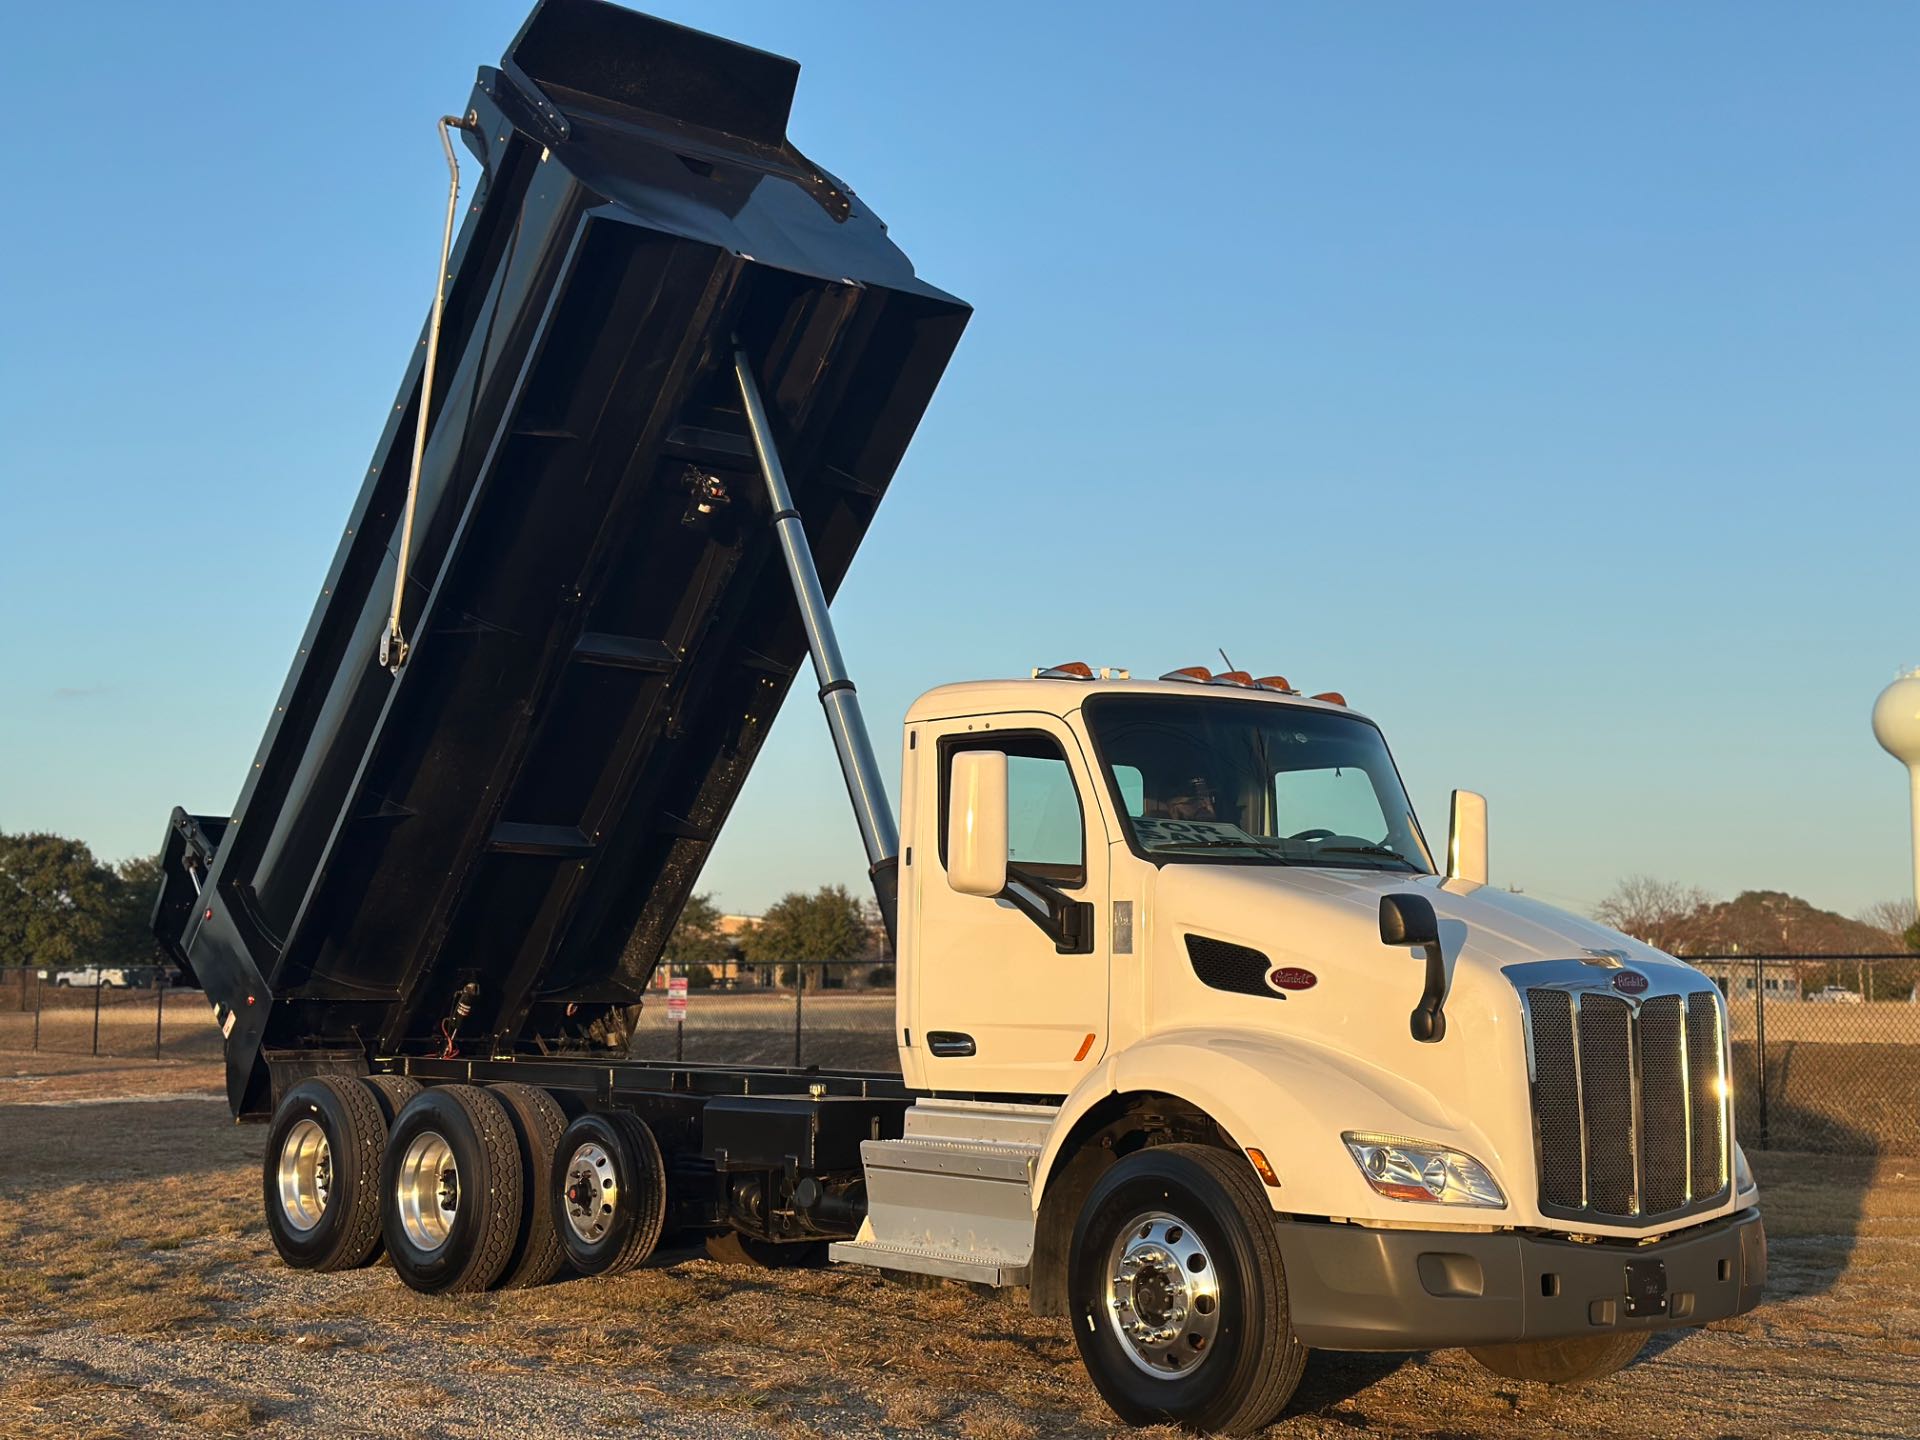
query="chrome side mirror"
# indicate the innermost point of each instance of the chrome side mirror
(1467, 838)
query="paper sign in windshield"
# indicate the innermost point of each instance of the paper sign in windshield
(1153, 832)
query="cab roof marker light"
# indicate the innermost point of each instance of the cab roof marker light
(1275, 682)
(1072, 670)
(1233, 677)
(1332, 697)
(1197, 674)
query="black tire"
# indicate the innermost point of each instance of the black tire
(391, 1093)
(325, 1218)
(1573, 1361)
(615, 1150)
(538, 1124)
(1251, 1364)
(466, 1245)
(733, 1248)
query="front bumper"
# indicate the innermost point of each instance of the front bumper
(1352, 1288)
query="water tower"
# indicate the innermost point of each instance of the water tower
(1896, 725)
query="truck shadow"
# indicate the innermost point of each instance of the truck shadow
(1334, 1377)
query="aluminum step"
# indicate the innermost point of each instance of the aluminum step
(955, 1195)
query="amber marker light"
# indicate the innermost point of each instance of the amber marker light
(1260, 1164)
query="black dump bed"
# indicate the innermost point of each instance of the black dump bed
(601, 629)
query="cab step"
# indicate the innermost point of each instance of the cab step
(954, 1195)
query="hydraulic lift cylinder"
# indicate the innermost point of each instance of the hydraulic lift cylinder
(838, 698)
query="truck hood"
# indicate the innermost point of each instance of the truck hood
(1303, 913)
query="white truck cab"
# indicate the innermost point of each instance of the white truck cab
(1177, 951)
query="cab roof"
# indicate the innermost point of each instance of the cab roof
(1064, 696)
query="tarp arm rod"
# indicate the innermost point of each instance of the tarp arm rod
(838, 698)
(393, 643)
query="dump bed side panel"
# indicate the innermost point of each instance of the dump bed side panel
(601, 629)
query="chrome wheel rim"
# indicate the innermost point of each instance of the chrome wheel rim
(591, 1193)
(427, 1193)
(305, 1175)
(1163, 1295)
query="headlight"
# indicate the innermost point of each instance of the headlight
(1416, 1170)
(1743, 1181)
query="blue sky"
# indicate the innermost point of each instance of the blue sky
(1542, 377)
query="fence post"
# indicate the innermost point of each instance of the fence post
(99, 981)
(1760, 1041)
(37, 988)
(799, 991)
(159, 1011)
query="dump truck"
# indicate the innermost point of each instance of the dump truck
(1200, 1043)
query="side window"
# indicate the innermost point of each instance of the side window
(1341, 800)
(1046, 833)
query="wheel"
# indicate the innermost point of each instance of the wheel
(1562, 1362)
(321, 1176)
(610, 1191)
(450, 1190)
(538, 1123)
(733, 1248)
(1178, 1294)
(391, 1092)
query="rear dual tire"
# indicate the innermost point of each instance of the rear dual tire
(321, 1178)
(452, 1190)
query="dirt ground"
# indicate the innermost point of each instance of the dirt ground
(139, 1296)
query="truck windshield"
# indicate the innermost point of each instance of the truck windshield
(1229, 779)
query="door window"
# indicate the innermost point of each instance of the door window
(1046, 832)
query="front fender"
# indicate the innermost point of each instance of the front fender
(1290, 1099)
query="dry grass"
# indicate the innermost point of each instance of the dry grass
(139, 1295)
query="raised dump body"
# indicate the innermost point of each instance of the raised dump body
(495, 840)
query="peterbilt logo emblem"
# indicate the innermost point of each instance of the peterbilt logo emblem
(1292, 977)
(1630, 982)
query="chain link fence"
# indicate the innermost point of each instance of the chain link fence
(125, 1011)
(837, 1014)
(1826, 1050)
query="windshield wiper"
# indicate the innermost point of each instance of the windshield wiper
(1380, 850)
(1218, 843)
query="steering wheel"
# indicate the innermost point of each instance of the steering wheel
(1312, 835)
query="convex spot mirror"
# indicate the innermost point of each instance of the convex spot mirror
(977, 823)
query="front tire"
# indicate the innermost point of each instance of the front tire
(1178, 1294)
(1576, 1361)
(451, 1190)
(321, 1178)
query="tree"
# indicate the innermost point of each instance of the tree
(56, 901)
(697, 938)
(1898, 918)
(1662, 913)
(826, 925)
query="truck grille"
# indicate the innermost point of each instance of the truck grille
(1629, 1102)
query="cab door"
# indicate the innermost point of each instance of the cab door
(996, 1006)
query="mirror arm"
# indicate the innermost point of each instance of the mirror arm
(1429, 1021)
(1409, 920)
(1065, 921)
